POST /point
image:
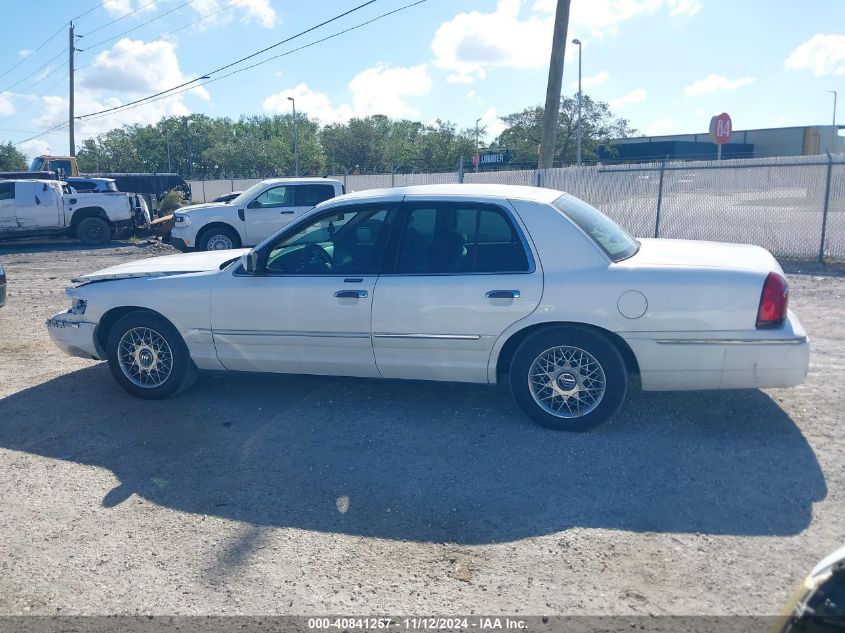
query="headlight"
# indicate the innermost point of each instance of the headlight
(78, 306)
(181, 220)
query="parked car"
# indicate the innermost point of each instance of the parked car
(83, 184)
(2, 286)
(468, 283)
(252, 216)
(228, 197)
(818, 604)
(31, 208)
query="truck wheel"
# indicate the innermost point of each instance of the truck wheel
(218, 238)
(93, 231)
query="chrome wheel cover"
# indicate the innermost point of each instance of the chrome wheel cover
(145, 357)
(566, 381)
(219, 243)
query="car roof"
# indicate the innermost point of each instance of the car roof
(299, 181)
(520, 192)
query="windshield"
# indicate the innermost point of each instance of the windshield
(249, 194)
(36, 164)
(611, 238)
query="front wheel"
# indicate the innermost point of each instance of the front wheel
(568, 378)
(93, 231)
(148, 357)
(218, 239)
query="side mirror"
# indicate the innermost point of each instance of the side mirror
(255, 204)
(249, 261)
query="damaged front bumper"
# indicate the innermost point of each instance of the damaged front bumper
(74, 336)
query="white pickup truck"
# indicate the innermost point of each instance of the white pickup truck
(35, 208)
(252, 216)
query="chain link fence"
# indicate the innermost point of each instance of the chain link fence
(792, 206)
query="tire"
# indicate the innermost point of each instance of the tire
(571, 362)
(154, 343)
(218, 238)
(93, 231)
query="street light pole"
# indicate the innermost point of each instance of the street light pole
(295, 143)
(577, 42)
(477, 152)
(834, 107)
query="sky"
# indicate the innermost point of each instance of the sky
(665, 65)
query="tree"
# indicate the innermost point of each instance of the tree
(600, 127)
(11, 158)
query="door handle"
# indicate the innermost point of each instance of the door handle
(351, 294)
(502, 294)
(286, 212)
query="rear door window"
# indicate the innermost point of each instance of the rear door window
(312, 195)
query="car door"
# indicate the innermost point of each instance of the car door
(307, 308)
(269, 211)
(461, 274)
(8, 219)
(36, 206)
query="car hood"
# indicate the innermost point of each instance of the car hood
(167, 265)
(201, 207)
(663, 252)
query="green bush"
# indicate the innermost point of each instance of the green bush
(172, 200)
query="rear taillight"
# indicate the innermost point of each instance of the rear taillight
(773, 302)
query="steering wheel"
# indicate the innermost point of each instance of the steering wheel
(315, 257)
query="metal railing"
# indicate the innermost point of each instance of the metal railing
(792, 206)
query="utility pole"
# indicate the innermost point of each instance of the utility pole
(834, 109)
(295, 143)
(477, 151)
(70, 94)
(547, 139)
(577, 42)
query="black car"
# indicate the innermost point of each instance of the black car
(2, 286)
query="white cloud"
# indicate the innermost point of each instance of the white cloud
(601, 18)
(716, 83)
(316, 105)
(492, 123)
(254, 11)
(660, 126)
(24, 52)
(823, 54)
(635, 96)
(119, 8)
(111, 80)
(7, 107)
(512, 36)
(590, 82)
(471, 42)
(134, 67)
(381, 89)
(35, 147)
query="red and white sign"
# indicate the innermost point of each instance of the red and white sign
(721, 128)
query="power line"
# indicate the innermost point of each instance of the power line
(234, 63)
(135, 28)
(163, 35)
(165, 95)
(47, 41)
(160, 96)
(45, 64)
(118, 19)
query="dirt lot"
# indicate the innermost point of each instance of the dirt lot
(290, 494)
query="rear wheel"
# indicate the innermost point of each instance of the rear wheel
(218, 238)
(93, 231)
(568, 378)
(148, 357)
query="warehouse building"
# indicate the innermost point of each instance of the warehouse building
(782, 141)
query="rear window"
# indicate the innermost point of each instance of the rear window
(615, 241)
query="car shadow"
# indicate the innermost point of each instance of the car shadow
(437, 462)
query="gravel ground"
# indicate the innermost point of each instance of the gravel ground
(305, 495)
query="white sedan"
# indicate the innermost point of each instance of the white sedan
(469, 283)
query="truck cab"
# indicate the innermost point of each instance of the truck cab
(64, 165)
(36, 208)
